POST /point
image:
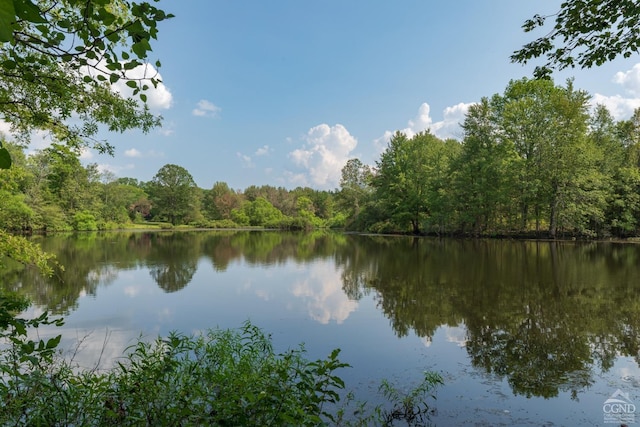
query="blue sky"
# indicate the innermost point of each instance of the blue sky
(283, 92)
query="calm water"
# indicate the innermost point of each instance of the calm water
(524, 333)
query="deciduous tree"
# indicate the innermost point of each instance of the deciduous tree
(173, 193)
(585, 33)
(59, 59)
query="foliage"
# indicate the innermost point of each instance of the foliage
(59, 59)
(221, 377)
(173, 193)
(15, 215)
(484, 173)
(355, 188)
(411, 407)
(533, 160)
(21, 250)
(84, 221)
(409, 180)
(5, 157)
(585, 33)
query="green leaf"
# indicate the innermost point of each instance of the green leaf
(28, 11)
(7, 17)
(132, 84)
(53, 342)
(143, 97)
(131, 65)
(5, 158)
(9, 64)
(141, 48)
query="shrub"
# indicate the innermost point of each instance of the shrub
(221, 377)
(223, 223)
(84, 221)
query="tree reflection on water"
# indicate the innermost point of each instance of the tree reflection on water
(545, 316)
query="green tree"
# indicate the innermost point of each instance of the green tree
(585, 33)
(173, 194)
(58, 60)
(355, 188)
(220, 201)
(68, 184)
(409, 179)
(259, 212)
(306, 210)
(15, 215)
(483, 174)
(622, 148)
(559, 184)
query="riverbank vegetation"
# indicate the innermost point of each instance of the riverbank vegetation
(534, 161)
(220, 377)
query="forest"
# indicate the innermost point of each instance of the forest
(537, 160)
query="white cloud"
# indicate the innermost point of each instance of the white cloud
(421, 122)
(262, 151)
(5, 129)
(448, 127)
(629, 79)
(167, 128)
(206, 109)
(452, 117)
(321, 290)
(132, 152)
(621, 106)
(296, 179)
(135, 153)
(86, 154)
(106, 167)
(158, 98)
(246, 160)
(324, 154)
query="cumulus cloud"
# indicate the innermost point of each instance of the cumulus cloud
(622, 106)
(325, 151)
(5, 128)
(448, 127)
(132, 152)
(246, 160)
(158, 98)
(135, 153)
(86, 154)
(452, 117)
(206, 108)
(167, 128)
(629, 79)
(263, 151)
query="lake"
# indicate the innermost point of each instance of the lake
(523, 332)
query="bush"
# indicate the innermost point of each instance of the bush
(84, 221)
(221, 377)
(223, 223)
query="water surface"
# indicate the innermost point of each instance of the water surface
(524, 333)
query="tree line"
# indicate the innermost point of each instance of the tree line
(52, 191)
(534, 160)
